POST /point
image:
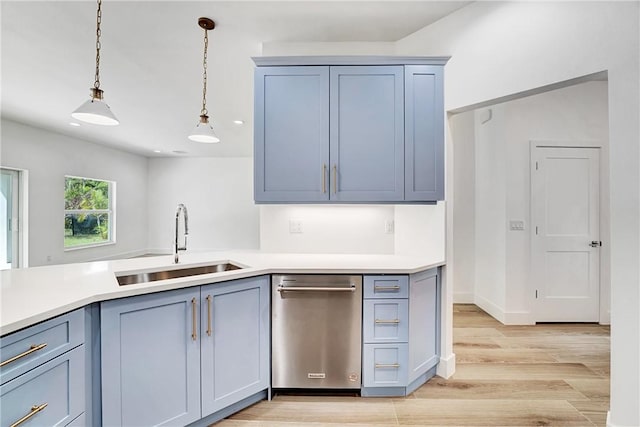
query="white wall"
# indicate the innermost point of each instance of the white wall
(502, 48)
(571, 115)
(218, 193)
(344, 229)
(420, 230)
(462, 128)
(49, 157)
(490, 213)
(327, 48)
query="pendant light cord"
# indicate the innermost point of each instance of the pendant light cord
(204, 111)
(96, 83)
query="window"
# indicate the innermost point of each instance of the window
(88, 212)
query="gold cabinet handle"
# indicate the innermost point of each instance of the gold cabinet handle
(34, 410)
(386, 288)
(324, 178)
(393, 321)
(32, 349)
(335, 179)
(387, 365)
(209, 315)
(194, 334)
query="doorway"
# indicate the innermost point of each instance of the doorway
(565, 233)
(12, 211)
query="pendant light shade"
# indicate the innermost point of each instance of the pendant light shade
(203, 132)
(95, 110)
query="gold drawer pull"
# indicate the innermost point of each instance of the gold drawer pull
(324, 179)
(335, 179)
(194, 334)
(392, 321)
(34, 410)
(386, 288)
(387, 365)
(209, 315)
(32, 349)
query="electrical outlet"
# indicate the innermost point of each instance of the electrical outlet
(389, 226)
(295, 226)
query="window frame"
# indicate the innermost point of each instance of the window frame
(111, 213)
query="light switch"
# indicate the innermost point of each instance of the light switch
(516, 225)
(389, 226)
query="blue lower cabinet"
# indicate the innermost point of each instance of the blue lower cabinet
(52, 394)
(173, 358)
(424, 336)
(151, 359)
(400, 332)
(235, 342)
(384, 365)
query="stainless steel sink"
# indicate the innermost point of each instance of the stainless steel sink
(152, 276)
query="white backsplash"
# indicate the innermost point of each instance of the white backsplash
(348, 229)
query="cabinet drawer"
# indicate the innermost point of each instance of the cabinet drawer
(385, 320)
(386, 286)
(384, 365)
(58, 384)
(35, 345)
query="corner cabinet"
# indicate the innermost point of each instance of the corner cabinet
(349, 130)
(169, 358)
(400, 332)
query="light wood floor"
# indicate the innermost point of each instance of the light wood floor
(553, 374)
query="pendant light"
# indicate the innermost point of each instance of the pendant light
(95, 110)
(203, 132)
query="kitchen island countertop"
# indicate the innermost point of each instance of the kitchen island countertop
(31, 295)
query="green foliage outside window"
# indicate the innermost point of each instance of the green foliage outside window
(87, 211)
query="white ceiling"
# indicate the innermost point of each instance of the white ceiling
(151, 61)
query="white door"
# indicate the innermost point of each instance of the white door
(565, 186)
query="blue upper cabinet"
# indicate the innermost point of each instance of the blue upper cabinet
(367, 133)
(291, 134)
(424, 133)
(349, 130)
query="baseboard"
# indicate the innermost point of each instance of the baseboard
(447, 366)
(518, 318)
(463, 297)
(492, 309)
(505, 317)
(122, 255)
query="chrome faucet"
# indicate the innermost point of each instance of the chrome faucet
(181, 208)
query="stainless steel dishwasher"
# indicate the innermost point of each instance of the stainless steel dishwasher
(316, 325)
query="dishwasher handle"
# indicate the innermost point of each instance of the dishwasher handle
(281, 288)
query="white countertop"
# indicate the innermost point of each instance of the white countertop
(31, 295)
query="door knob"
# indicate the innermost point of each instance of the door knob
(595, 243)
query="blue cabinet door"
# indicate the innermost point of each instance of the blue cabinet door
(235, 341)
(424, 325)
(291, 138)
(151, 359)
(424, 133)
(367, 133)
